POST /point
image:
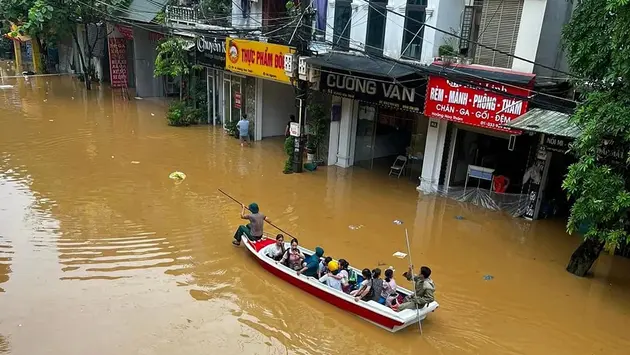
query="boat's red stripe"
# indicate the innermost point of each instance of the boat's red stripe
(350, 306)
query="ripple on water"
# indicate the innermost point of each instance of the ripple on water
(6, 254)
(119, 257)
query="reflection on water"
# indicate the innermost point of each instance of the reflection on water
(100, 252)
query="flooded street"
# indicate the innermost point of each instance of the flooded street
(101, 253)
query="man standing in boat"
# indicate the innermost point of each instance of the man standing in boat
(254, 229)
(425, 289)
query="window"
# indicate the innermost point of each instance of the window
(377, 15)
(343, 23)
(471, 20)
(415, 13)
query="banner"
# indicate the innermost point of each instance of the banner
(474, 106)
(265, 60)
(117, 62)
(211, 52)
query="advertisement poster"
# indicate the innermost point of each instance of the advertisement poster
(474, 106)
(237, 100)
(265, 60)
(118, 62)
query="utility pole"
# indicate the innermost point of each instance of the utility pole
(303, 33)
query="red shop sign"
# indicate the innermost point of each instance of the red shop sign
(117, 62)
(474, 106)
(237, 100)
(125, 31)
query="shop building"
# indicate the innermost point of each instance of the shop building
(376, 112)
(468, 107)
(255, 83)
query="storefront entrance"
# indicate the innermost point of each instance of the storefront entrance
(490, 150)
(384, 134)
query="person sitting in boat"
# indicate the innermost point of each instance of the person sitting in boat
(377, 286)
(311, 264)
(293, 257)
(365, 292)
(322, 270)
(389, 291)
(424, 287)
(341, 274)
(276, 251)
(330, 278)
(254, 229)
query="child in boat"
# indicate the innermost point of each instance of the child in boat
(341, 275)
(390, 288)
(377, 286)
(330, 278)
(323, 267)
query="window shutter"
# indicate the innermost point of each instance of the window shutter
(500, 20)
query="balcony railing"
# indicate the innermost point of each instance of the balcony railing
(192, 15)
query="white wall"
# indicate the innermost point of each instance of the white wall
(278, 103)
(447, 16)
(550, 53)
(529, 34)
(358, 24)
(394, 28)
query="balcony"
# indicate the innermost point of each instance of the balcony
(194, 15)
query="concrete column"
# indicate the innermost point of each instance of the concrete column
(433, 151)
(347, 133)
(358, 24)
(258, 125)
(394, 28)
(37, 57)
(529, 34)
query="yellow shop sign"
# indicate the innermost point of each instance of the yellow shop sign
(265, 60)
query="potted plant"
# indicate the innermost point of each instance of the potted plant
(311, 149)
(318, 130)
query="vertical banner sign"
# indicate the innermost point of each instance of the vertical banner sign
(237, 100)
(474, 106)
(534, 174)
(118, 62)
(264, 60)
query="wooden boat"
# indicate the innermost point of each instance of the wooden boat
(371, 311)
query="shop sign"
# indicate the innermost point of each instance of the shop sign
(125, 31)
(237, 100)
(211, 51)
(117, 62)
(264, 60)
(556, 143)
(376, 90)
(474, 106)
(294, 129)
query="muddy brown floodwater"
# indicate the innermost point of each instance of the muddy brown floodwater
(101, 253)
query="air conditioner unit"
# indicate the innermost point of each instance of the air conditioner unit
(289, 65)
(307, 72)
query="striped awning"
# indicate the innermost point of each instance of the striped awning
(547, 122)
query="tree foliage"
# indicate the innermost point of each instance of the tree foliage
(597, 42)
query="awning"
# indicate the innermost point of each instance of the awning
(142, 10)
(362, 64)
(547, 122)
(474, 71)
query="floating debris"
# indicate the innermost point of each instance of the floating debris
(112, 157)
(353, 227)
(138, 98)
(398, 222)
(399, 255)
(459, 217)
(177, 175)
(135, 162)
(152, 114)
(6, 86)
(51, 120)
(488, 277)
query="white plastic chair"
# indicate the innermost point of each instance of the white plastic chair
(399, 166)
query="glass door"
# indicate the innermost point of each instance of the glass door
(366, 129)
(210, 97)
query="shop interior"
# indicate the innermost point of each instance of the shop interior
(489, 149)
(554, 202)
(384, 135)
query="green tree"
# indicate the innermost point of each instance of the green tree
(51, 20)
(597, 41)
(172, 60)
